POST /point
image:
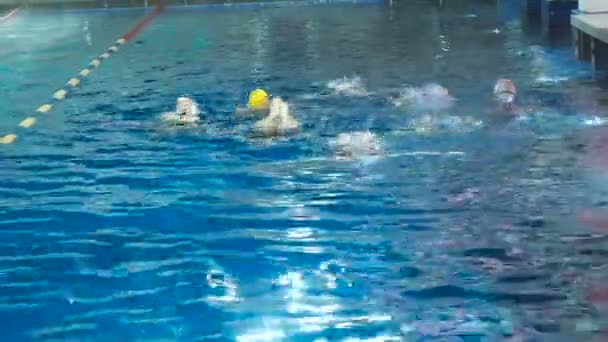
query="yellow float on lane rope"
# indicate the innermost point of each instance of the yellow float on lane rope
(8, 139)
(27, 123)
(74, 82)
(45, 108)
(95, 63)
(60, 94)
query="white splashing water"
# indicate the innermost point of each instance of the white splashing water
(357, 144)
(348, 86)
(430, 97)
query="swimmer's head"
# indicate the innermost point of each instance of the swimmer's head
(357, 144)
(183, 105)
(258, 100)
(435, 91)
(435, 97)
(186, 106)
(505, 91)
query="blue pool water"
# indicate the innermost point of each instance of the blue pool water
(114, 227)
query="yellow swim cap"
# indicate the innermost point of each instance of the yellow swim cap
(258, 100)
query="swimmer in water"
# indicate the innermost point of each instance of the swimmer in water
(348, 87)
(428, 98)
(257, 104)
(356, 144)
(279, 120)
(431, 103)
(504, 93)
(186, 113)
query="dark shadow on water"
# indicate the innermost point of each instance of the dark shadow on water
(449, 291)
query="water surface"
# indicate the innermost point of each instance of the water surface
(116, 228)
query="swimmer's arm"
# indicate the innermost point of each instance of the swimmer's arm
(242, 111)
(247, 112)
(169, 116)
(192, 119)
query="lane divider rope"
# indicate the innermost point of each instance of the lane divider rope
(61, 94)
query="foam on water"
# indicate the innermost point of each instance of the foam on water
(348, 86)
(430, 97)
(357, 144)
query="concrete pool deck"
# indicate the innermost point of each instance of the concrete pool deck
(591, 38)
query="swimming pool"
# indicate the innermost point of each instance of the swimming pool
(116, 228)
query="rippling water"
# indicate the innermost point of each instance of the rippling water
(116, 228)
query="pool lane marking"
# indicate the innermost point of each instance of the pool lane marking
(9, 15)
(160, 6)
(61, 94)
